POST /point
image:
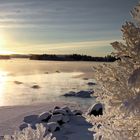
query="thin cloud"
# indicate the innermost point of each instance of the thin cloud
(84, 44)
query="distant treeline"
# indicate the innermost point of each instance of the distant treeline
(4, 57)
(10, 56)
(19, 56)
(73, 57)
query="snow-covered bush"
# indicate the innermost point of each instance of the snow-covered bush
(31, 134)
(120, 87)
(120, 82)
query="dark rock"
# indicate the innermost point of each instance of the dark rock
(84, 94)
(53, 126)
(77, 112)
(46, 72)
(56, 107)
(99, 125)
(96, 110)
(65, 119)
(91, 84)
(81, 94)
(60, 122)
(59, 111)
(23, 126)
(67, 109)
(69, 94)
(56, 118)
(30, 119)
(18, 82)
(44, 117)
(85, 78)
(35, 86)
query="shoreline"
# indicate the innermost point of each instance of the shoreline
(12, 116)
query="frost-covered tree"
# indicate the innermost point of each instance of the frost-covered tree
(120, 84)
(30, 134)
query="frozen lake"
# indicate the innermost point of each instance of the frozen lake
(25, 82)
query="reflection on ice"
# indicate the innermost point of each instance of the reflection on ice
(39, 88)
(3, 77)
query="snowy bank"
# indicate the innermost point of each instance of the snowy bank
(63, 122)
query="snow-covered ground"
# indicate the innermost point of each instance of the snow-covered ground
(12, 117)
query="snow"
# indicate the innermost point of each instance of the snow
(12, 116)
(74, 126)
(134, 80)
(31, 134)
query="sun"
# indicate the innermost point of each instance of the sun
(6, 52)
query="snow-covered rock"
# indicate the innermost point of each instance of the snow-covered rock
(35, 87)
(69, 94)
(84, 94)
(85, 78)
(45, 116)
(65, 119)
(67, 109)
(53, 120)
(56, 118)
(81, 94)
(77, 112)
(56, 107)
(59, 111)
(73, 126)
(96, 109)
(30, 119)
(60, 119)
(23, 126)
(91, 83)
(18, 82)
(53, 126)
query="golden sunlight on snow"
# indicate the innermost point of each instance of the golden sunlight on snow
(3, 76)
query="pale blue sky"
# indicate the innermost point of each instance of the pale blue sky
(63, 26)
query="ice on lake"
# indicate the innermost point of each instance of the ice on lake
(25, 82)
(39, 88)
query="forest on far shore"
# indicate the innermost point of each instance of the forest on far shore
(72, 57)
(53, 57)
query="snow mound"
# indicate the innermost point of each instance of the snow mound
(63, 123)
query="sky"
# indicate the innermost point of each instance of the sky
(62, 26)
